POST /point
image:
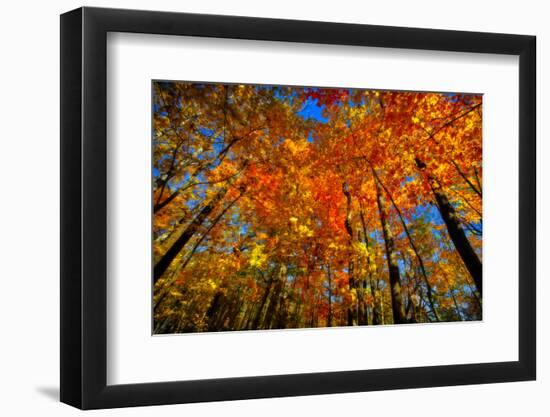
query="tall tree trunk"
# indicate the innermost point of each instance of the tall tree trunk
(382, 307)
(329, 275)
(258, 316)
(162, 265)
(456, 232)
(458, 236)
(170, 173)
(376, 319)
(213, 309)
(235, 311)
(362, 310)
(181, 266)
(410, 307)
(398, 310)
(413, 246)
(282, 314)
(352, 311)
(271, 314)
(191, 183)
(458, 313)
(243, 317)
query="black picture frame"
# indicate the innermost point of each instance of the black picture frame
(84, 207)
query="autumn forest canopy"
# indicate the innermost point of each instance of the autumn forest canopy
(287, 207)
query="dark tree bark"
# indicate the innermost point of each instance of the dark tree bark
(170, 173)
(282, 314)
(398, 310)
(376, 317)
(458, 236)
(271, 314)
(235, 311)
(329, 276)
(465, 178)
(352, 311)
(160, 205)
(272, 306)
(458, 313)
(456, 232)
(191, 183)
(212, 311)
(362, 310)
(162, 265)
(258, 316)
(413, 246)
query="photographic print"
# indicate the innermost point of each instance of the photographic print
(283, 207)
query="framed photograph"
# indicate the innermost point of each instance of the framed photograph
(258, 208)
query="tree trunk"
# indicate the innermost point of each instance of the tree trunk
(329, 275)
(258, 316)
(271, 314)
(212, 311)
(352, 311)
(165, 261)
(456, 232)
(458, 236)
(458, 313)
(382, 307)
(393, 269)
(413, 246)
(373, 288)
(160, 205)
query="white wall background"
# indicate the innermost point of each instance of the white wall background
(29, 213)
